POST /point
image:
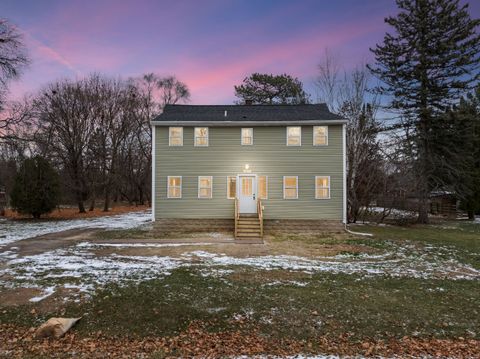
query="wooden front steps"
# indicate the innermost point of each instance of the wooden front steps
(248, 228)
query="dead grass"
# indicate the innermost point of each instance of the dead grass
(72, 213)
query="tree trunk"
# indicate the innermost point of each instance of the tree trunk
(92, 204)
(106, 204)
(140, 193)
(81, 206)
(471, 214)
(422, 210)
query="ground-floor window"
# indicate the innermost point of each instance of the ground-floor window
(205, 186)
(290, 187)
(231, 187)
(322, 187)
(174, 187)
(262, 187)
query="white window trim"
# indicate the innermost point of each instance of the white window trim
(211, 187)
(284, 187)
(241, 135)
(168, 186)
(329, 186)
(170, 137)
(229, 187)
(266, 186)
(300, 142)
(195, 137)
(326, 136)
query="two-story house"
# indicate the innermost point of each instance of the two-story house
(248, 167)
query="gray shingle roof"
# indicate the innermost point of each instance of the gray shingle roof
(261, 113)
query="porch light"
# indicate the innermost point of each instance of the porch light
(246, 168)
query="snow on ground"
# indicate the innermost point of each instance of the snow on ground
(80, 267)
(399, 213)
(11, 231)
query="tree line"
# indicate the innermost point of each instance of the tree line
(413, 116)
(95, 132)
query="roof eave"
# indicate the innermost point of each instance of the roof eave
(248, 123)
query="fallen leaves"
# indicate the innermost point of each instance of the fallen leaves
(197, 341)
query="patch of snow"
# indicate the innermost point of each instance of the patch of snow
(399, 213)
(15, 230)
(287, 282)
(80, 267)
(133, 245)
(8, 255)
(47, 292)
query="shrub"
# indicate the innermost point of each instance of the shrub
(36, 187)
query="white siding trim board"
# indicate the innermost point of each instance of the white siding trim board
(344, 151)
(153, 172)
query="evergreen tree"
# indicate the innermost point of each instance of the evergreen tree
(467, 115)
(36, 187)
(425, 66)
(271, 89)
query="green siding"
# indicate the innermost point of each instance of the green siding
(269, 156)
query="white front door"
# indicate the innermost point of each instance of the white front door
(247, 193)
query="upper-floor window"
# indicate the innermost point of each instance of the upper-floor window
(247, 136)
(322, 187)
(290, 187)
(201, 136)
(175, 136)
(294, 136)
(320, 135)
(174, 187)
(205, 186)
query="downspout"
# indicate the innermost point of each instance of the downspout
(357, 233)
(344, 149)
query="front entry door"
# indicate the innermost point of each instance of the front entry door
(247, 193)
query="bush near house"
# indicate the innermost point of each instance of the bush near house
(36, 187)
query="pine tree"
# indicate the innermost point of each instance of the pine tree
(425, 66)
(36, 187)
(468, 116)
(271, 89)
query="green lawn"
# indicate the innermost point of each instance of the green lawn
(294, 304)
(463, 236)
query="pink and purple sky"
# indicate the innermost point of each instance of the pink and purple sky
(211, 45)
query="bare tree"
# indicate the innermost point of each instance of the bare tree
(13, 59)
(346, 95)
(172, 91)
(150, 94)
(66, 123)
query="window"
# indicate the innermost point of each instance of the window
(231, 187)
(174, 187)
(320, 135)
(262, 187)
(205, 187)
(290, 187)
(322, 187)
(247, 136)
(201, 136)
(294, 136)
(175, 136)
